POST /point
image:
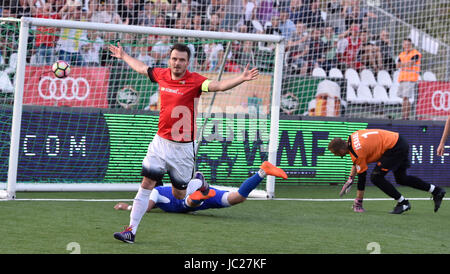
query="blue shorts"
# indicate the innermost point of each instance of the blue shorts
(214, 202)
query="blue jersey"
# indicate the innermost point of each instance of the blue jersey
(167, 202)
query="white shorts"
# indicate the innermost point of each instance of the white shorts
(406, 89)
(176, 159)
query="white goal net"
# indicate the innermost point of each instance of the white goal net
(91, 129)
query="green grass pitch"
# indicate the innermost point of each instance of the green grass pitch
(254, 227)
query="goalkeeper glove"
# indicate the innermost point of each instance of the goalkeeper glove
(358, 205)
(347, 186)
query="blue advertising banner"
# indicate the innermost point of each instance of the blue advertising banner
(423, 141)
(57, 146)
(64, 145)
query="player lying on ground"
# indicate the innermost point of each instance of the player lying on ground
(391, 152)
(173, 149)
(163, 198)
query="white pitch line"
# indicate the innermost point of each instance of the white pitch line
(72, 200)
(275, 199)
(346, 200)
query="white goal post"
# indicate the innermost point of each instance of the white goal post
(26, 23)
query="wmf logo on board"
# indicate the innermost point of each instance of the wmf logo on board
(51, 88)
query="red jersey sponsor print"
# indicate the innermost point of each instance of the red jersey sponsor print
(178, 103)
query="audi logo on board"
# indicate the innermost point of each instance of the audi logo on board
(64, 88)
(440, 100)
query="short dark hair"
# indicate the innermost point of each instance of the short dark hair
(337, 144)
(182, 48)
(408, 39)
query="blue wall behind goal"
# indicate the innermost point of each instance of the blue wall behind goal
(72, 145)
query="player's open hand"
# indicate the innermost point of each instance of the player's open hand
(440, 150)
(121, 206)
(249, 75)
(118, 51)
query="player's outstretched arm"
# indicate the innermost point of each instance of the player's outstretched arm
(135, 64)
(125, 206)
(226, 84)
(440, 150)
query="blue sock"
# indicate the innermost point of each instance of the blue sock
(248, 185)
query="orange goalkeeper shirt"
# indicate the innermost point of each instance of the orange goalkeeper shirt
(367, 146)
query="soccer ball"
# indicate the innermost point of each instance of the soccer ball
(61, 69)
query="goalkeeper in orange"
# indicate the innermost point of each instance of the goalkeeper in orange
(391, 152)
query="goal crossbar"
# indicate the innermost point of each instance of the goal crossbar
(153, 30)
(27, 23)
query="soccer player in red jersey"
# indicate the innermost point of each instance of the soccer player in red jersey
(172, 149)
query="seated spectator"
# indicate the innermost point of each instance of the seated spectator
(160, 7)
(355, 14)
(296, 10)
(265, 10)
(270, 27)
(57, 4)
(24, 8)
(182, 11)
(384, 43)
(147, 15)
(214, 22)
(199, 55)
(297, 49)
(9, 37)
(9, 9)
(216, 8)
(90, 51)
(234, 12)
(45, 37)
(316, 50)
(143, 53)
(250, 18)
(197, 22)
(369, 54)
(160, 21)
(247, 54)
(105, 12)
(336, 16)
(160, 51)
(128, 11)
(348, 47)
(287, 27)
(214, 53)
(329, 40)
(70, 40)
(312, 16)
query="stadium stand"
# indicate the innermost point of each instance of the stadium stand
(319, 35)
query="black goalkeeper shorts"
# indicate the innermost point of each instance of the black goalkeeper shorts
(395, 158)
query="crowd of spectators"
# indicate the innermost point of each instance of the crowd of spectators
(318, 33)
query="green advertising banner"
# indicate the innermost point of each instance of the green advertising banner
(130, 90)
(297, 92)
(232, 149)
